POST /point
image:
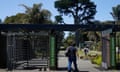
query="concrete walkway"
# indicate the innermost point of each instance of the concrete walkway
(83, 66)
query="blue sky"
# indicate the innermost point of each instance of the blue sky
(11, 7)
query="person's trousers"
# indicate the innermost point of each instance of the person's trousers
(70, 61)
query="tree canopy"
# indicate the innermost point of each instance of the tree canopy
(16, 19)
(32, 15)
(83, 11)
(116, 12)
(59, 19)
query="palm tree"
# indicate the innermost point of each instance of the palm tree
(36, 14)
(116, 13)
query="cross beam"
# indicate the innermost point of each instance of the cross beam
(58, 27)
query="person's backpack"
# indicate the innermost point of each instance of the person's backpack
(71, 52)
(67, 53)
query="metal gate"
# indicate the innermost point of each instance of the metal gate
(27, 50)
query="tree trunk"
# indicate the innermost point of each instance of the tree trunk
(76, 22)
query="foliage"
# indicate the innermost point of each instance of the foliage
(93, 36)
(116, 12)
(16, 19)
(59, 19)
(36, 14)
(69, 39)
(97, 60)
(81, 10)
(32, 15)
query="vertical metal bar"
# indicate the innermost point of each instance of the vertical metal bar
(13, 51)
(9, 64)
(7, 54)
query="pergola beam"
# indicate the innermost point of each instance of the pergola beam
(58, 27)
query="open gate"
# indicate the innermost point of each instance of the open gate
(27, 50)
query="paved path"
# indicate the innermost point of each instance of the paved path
(83, 66)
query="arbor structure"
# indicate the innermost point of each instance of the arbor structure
(82, 11)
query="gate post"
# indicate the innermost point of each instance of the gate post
(52, 53)
(3, 55)
(106, 51)
(112, 51)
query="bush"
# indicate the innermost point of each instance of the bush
(97, 60)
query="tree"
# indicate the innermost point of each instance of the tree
(19, 18)
(32, 15)
(59, 19)
(37, 15)
(81, 10)
(116, 12)
(69, 39)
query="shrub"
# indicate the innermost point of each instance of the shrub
(97, 60)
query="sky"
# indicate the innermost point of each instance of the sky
(11, 7)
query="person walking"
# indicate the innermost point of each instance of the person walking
(72, 57)
(86, 50)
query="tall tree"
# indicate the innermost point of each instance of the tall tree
(81, 10)
(36, 14)
(19, 18)
(32, 15)
(59, 19)
(116, 12)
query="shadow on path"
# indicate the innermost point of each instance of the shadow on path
(99, 68)
(65, 69)
(62, 69)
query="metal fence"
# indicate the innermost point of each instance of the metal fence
(27, 50)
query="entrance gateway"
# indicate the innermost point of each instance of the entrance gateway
(34, 45)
